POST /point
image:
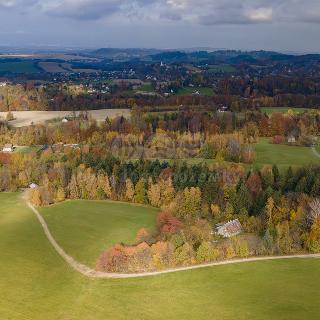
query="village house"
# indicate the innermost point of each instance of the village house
(294, 135)
(229, 229)
(291, 139)
(8, 148)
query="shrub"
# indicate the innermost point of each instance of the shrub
(278, 139)
(206, 253)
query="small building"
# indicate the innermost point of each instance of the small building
(291, 139)
(8, 148)
(229, 229)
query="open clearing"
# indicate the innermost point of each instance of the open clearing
(283, 155)
(188, 91)
(94, 226)
(37, 284)
(26, 118)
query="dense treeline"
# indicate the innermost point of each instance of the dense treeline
(197, 128)
(243, 92)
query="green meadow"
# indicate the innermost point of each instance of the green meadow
(283, 155)
(204, 91)
(94, 226)
(36, 284)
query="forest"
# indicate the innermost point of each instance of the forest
(143, 160)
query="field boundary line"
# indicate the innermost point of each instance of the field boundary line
(91, 273)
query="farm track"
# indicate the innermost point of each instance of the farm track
(91, 273)
(316, 153)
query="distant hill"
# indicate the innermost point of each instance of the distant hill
(189, 55)
(118, 53)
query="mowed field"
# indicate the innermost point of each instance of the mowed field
(36, 284)
(94, 226)
(283, 155)
(26, 118)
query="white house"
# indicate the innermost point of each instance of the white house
(291, 139)
(229, 229)
(8, 148)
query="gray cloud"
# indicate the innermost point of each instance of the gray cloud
(206, 12)
(83, 9)
(19, 5)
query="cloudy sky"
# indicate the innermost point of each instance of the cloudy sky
(286, 25)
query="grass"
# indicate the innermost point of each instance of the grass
(271, 110)
(225, 68)
(18, 67)
(93, 226)
(187, 91)
(268, 154)
(26, 149)
(317, 146)
(146, 88)
(283, 155)
(36, 284)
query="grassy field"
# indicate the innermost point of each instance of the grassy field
(18, 67)
(189, 91)
(146, 88)
(268, 154)
(36, 284)
(26, 149)
(93, 226)
(226, 68)
(283, 155)
(269, 111)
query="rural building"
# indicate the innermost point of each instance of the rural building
(229, 229)
(291, 139)
(8, 148)
(294, 135)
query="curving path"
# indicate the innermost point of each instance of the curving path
(91, 273)
(316, 153)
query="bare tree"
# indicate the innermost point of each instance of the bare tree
(315, 209)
